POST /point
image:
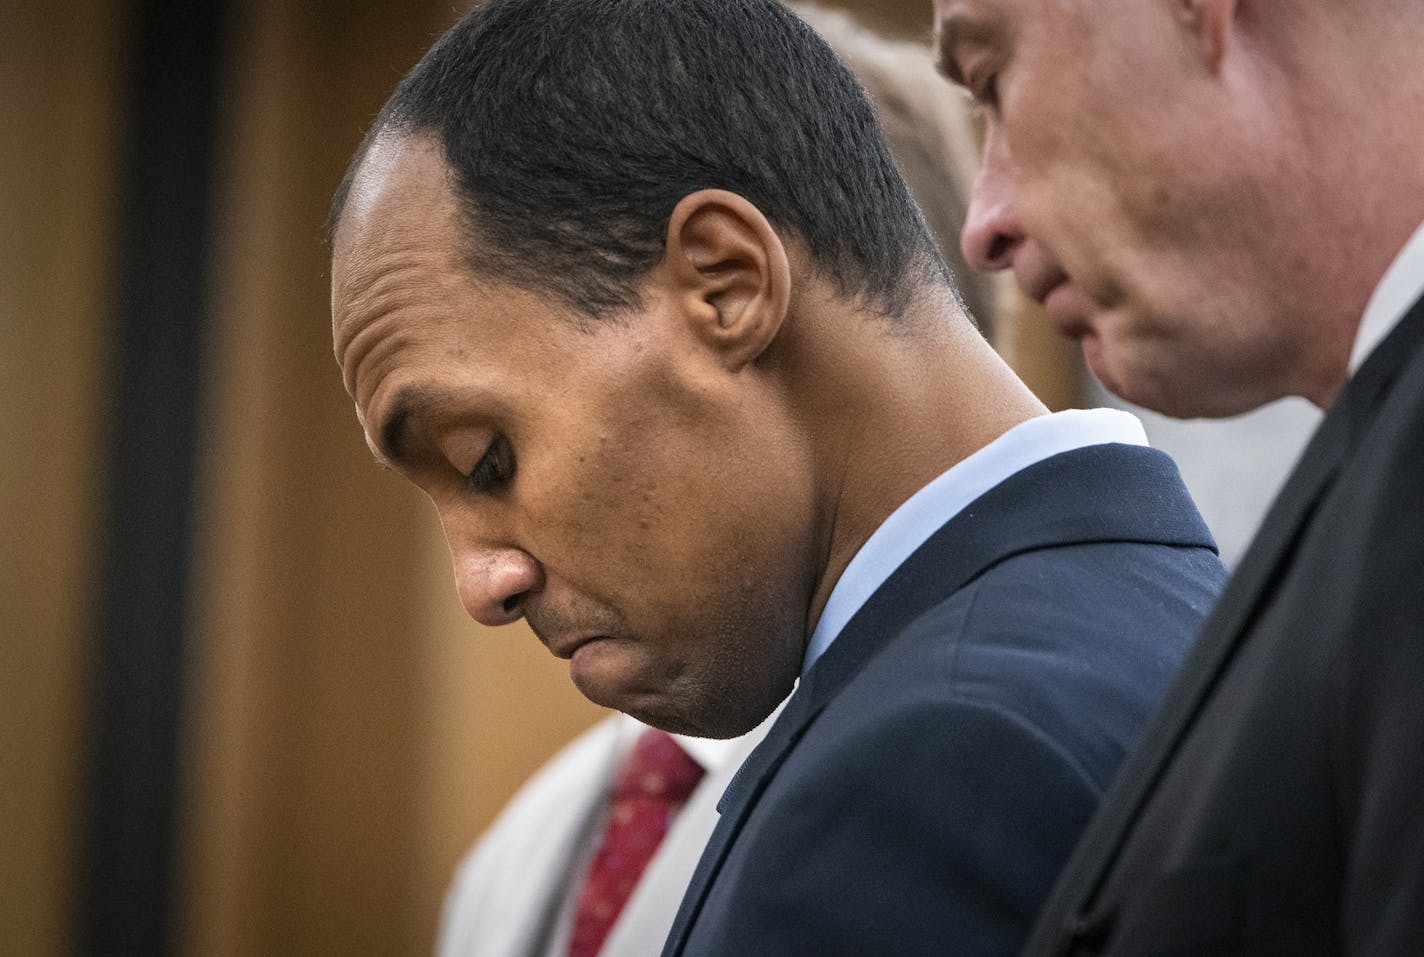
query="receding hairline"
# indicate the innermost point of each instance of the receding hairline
(398, 187)
(384, 140)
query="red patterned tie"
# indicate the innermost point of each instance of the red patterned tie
(653, 781)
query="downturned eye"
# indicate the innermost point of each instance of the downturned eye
(494, 470)
(984, 91)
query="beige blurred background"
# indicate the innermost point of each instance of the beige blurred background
(342, 731)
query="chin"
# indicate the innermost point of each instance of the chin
(690, 711)
(610, 684)
(1188, 396)
(676, 717)
(1168, 388)
(708, 696)
(1092, 348)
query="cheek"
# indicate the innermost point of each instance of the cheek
(623, 511)
(690, 513)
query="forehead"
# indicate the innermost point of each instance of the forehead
(414, 328)
(400, 217)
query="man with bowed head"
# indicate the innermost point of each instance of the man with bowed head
(634, 293)
(1221, 199)
(569, 867)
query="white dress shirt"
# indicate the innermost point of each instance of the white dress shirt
(1398, 289)
(514, 894)
(643, 921)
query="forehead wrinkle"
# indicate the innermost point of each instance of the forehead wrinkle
(375, 296)
(395, 222)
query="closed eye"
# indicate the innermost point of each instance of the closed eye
(984, 92)
(494, 470)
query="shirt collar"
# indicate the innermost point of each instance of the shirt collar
(1402, 284)
(922, 514)
(713, 754)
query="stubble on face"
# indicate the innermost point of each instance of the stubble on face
(670, 515)
(699, 561)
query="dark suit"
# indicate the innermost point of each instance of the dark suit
(1277, 805)
(933, 769)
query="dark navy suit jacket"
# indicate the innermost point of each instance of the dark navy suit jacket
(933, 769)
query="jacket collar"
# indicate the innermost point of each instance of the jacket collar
(1058, 501)
(1063, 922)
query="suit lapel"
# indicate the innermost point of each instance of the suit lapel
(1042, 506)
(1222, 635)
(735, 804)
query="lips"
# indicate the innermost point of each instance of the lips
(565, 647)
(1045, 282)
(1039, 284)
(1036, 272)
(567, 627)
(1066, 311)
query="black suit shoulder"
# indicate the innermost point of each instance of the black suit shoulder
(1283, 817)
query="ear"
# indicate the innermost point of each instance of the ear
(1211, 24)
(730, 274)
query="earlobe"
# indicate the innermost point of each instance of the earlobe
(1211, 23)
(731, 273)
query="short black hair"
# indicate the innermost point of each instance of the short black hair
(573, 127)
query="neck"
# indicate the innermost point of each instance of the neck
(1352, 75)
(913, 396)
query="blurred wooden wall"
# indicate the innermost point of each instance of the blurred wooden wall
(351, 729)
(60, 124)
(348, 731)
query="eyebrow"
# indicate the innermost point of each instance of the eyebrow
(950, 32)
(394, 432)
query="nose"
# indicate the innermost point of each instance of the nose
(992, 231)
(495, 583)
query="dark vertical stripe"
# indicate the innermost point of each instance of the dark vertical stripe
(161, 310)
